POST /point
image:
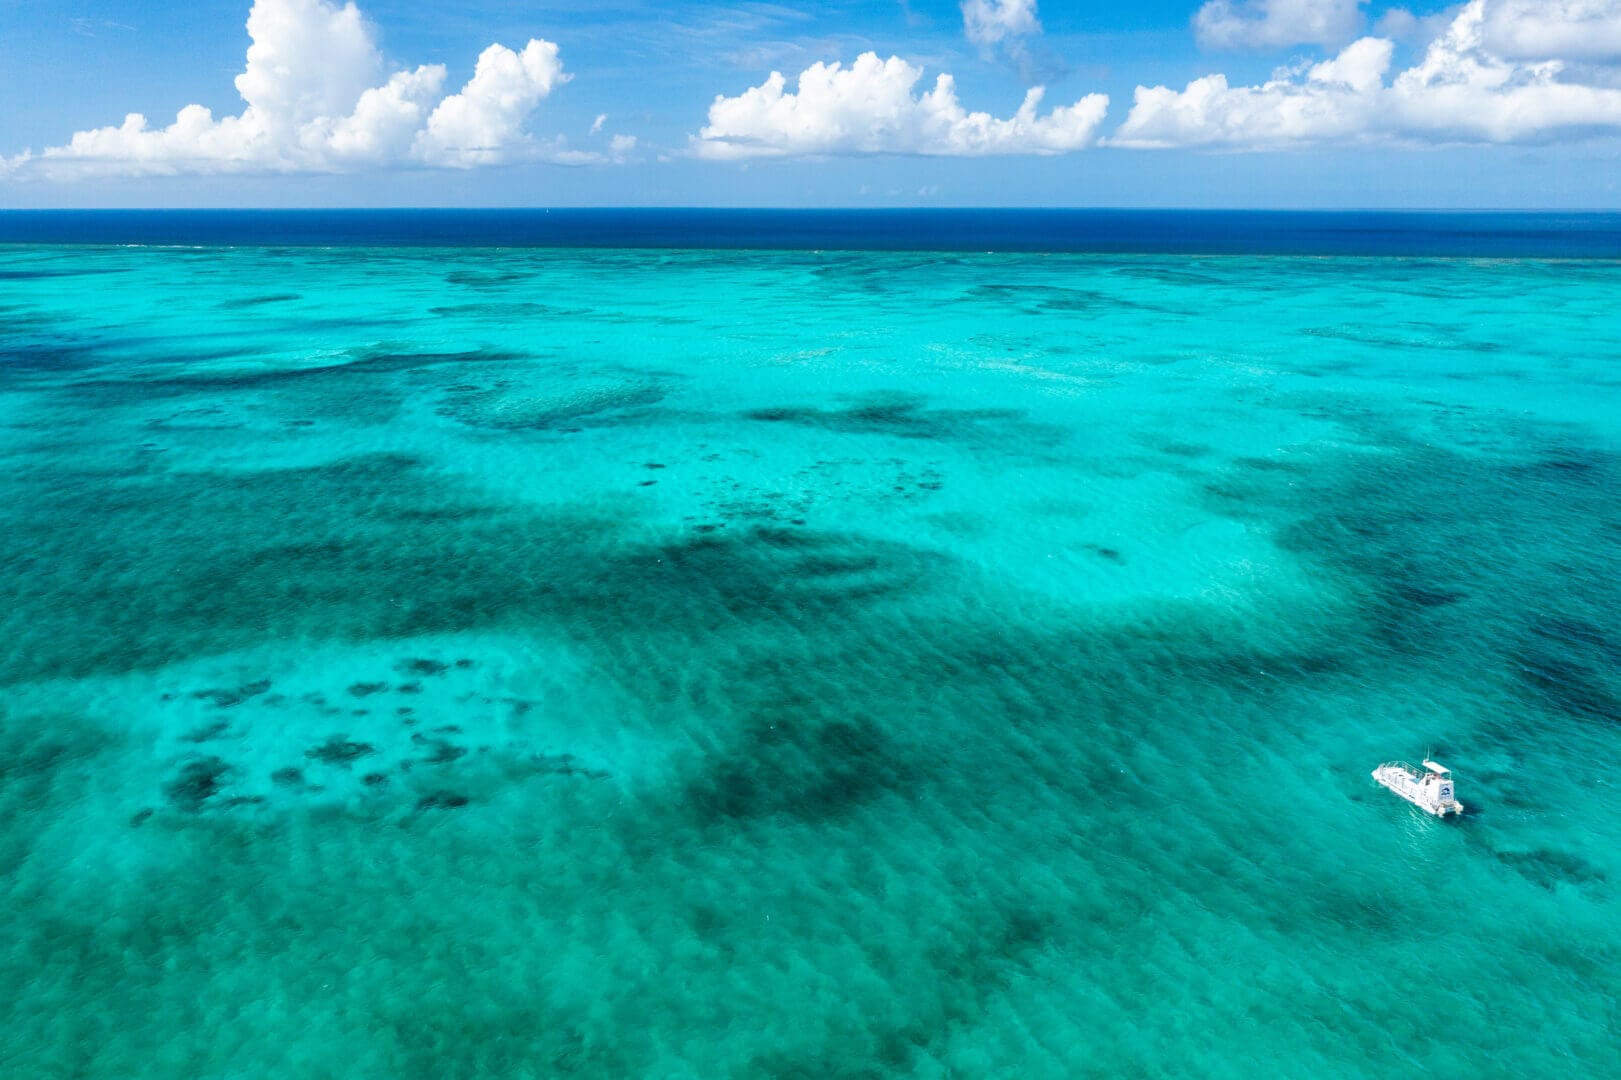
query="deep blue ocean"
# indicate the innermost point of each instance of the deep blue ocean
(1187, 232)
(714, 644)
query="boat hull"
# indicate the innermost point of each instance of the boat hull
(1413, 790)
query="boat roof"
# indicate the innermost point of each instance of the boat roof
(1435, 766)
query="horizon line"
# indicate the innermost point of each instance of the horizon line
(813, 209)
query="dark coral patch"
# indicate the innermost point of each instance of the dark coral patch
(440, 751)
(314, 377)
(421, 666)
(1426, 596)
(338, 750)
(240, 303)
(566, 765)
(1549, 868)
(1574, 688)
(37, 275)
(906, 417)
(229, 698)
(1280, 465)
(483, 279)
(1579, 634)
(803, 769)
(200, 779)
(442, 800)
(333, 538)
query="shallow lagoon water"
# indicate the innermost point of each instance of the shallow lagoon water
(465, 662)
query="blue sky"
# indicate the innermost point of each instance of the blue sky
(1332, 103)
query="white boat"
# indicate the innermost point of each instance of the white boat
(1429, 788)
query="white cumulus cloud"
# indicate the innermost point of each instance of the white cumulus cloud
(483, 124)
(1461, 91)
(308, 58)
(316, 99)
(872, 107)
(1261, 24)
(1334, 99)
(988, 22)
(1540, 29)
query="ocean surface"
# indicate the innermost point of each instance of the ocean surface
(1595, 234)
(480, 659)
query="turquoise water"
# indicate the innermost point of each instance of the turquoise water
(456, 663)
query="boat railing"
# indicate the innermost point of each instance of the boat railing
(1412, 771)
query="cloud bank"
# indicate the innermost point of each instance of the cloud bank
(318, 96)
(316, 100)
(1538, 29)
(872, 107)
(1463, 90)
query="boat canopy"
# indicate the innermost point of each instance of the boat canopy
(1435, 766)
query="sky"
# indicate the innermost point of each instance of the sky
(1160, 103)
